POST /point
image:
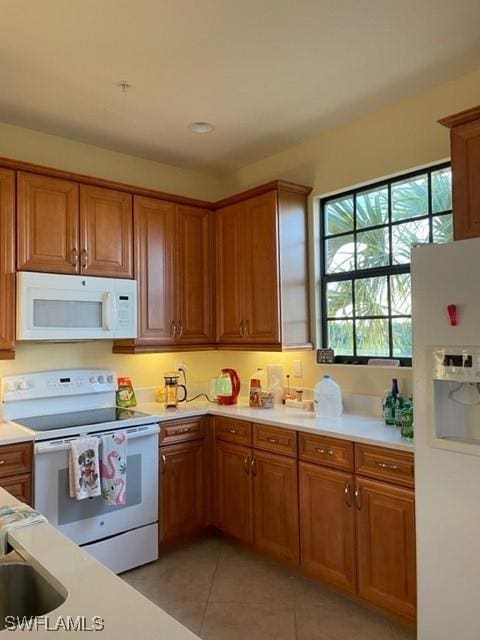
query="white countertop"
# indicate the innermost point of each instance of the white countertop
(93, 590)
(358, 428)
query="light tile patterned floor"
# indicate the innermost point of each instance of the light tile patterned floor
(222, 592)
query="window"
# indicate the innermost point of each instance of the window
(366, 236)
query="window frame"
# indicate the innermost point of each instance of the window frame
(372, 272)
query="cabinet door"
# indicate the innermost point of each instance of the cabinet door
(7, 264)
(327, 525)
(229, 274)
(194, 250)
(386, 546)
(233, 490)
(106, 226)
(260, 270)
(19, 486)
(154, 224)
(47, 224)
(181, 490)
(275, 500)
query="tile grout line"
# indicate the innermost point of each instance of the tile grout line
(211, 588)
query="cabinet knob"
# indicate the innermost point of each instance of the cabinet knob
(273, 440)
(232, 431)
(3, 462)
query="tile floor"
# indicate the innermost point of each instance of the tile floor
(222, 592)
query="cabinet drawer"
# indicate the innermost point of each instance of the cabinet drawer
(385, 464)
(15, 459)
(236, 431)
(275, 439)
(19, 486)
(181, 431)
(330, 452)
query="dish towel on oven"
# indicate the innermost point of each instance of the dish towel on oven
(113, 467)
(84, 468)
(16, 517)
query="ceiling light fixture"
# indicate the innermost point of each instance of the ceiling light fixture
(201, 127)
(124, 85)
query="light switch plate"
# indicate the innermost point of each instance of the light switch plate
(297, 369)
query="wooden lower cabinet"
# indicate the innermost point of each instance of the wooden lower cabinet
(19, 486)
(275, 505)
(233, 490)
(182, 490)
(327, 525)
(385, 517)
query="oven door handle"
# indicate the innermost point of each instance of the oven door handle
(64, 445)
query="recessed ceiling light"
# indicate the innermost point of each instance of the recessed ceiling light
(124, 85)
(202, 127)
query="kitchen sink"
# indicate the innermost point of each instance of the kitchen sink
(23, 591)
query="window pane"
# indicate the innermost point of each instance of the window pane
(401, 294)
(402, 337)
(443, 228)
(339, 299)
(404, 236)
(373, 248)
(340, 337)
(410, 198)
(372, 208)
(340, 254)
(372, 337)
(442, 190)
(339, 216)
(371, 296)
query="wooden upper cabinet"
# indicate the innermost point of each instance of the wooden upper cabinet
(327, 525)
(230, 265)
(386, 546)
(106, 228)
(7, 264)
(260, 260)
(194, 288)
(275, 505)
(47, 224)
(154, 222)
(262, 269)
(465, 152)
(233, 490)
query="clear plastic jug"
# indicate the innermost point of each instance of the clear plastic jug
(327, 398)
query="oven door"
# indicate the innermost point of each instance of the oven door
(92, 519)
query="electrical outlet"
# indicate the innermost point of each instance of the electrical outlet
(180, 365)
(297, 368)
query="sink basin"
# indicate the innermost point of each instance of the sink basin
(23, 591)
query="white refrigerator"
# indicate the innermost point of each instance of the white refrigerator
(447, 439)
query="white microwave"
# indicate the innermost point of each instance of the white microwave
(60, 308)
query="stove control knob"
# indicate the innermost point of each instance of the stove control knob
(101, 379)
(92, 379)
(23, 385)
(110, 379)
(11, 386)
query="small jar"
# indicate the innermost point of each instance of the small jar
(267, 400)
(299, 395)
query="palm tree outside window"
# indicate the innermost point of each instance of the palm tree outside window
(367, 235)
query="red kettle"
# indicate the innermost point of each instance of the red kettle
(229, 387)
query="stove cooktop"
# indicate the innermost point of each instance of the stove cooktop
(79, 419)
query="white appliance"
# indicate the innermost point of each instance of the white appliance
(447, 438)
(57, 307)
(57, 407)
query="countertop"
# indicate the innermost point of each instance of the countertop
(354, 427)
(93, 590)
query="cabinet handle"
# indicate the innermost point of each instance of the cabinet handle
(273, 440)
(241, 329)
(247, 327)
(74, 257)
(246, 465)
(184, 430)
(3, 462)
(84, 256)
(328, 452)
(180, 328)
(233, 431)
(358, 498)
(385, 465)
(254, 465)
(173, 328)
(164, 462)
(348, 493)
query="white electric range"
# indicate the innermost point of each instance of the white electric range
(59, 406)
